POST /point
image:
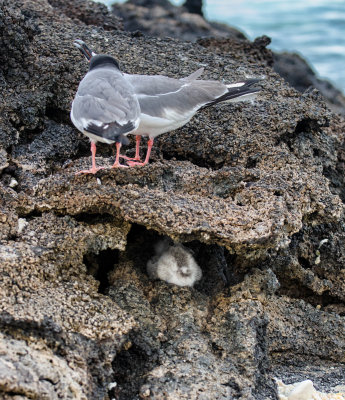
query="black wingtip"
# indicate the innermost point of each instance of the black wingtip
(252, 81)
(237, 92)
(111, 131)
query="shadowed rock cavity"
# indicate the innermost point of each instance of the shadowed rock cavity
(176, 345)
(220, 268)
(254, 189)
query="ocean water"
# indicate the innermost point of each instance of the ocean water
(313, 28)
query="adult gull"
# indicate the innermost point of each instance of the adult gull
(164, 103)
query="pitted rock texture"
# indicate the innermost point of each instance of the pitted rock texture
(188, 203)
(255, 190)
(295, 70)
(51, 311)
(88, 12)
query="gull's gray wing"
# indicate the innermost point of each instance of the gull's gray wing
(164, 97)
(105, 105)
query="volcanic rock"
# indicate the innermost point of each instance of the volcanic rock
(256, 190)
(160, 18)
(295, 70)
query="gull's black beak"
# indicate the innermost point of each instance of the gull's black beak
(83, 48)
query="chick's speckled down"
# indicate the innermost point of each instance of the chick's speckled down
(174, 264)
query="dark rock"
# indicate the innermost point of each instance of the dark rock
(152, 3)
(295, 70)
(194, 6)
(161, 18)
(254, 189)
(88, 12)
(241, 48)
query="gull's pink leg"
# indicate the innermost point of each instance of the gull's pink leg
(117, 163)
(137, 147)
(137, 150)
(93, 169)
(149, 147)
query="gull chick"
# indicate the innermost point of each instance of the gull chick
(174, 264)
(167, 104)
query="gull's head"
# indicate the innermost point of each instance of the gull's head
(103, 60)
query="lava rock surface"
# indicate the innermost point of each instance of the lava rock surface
(256, 190)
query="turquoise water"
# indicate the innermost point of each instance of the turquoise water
(313, 28)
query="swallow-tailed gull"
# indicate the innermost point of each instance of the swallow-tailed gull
(105, 107)
(167, 104)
